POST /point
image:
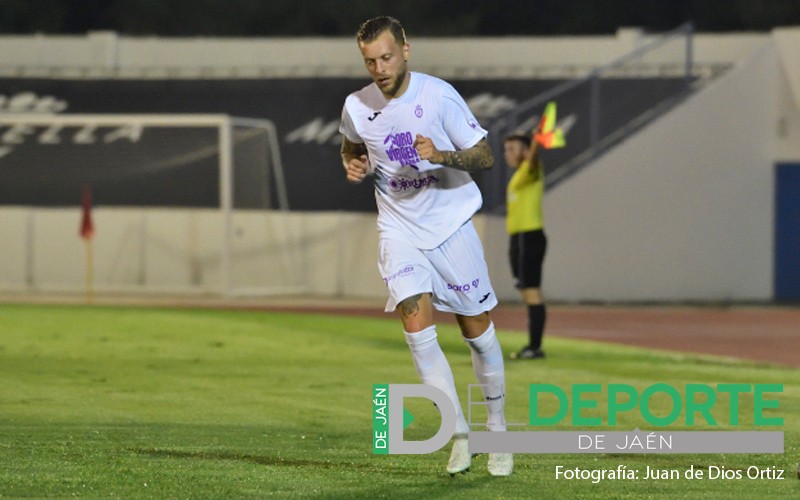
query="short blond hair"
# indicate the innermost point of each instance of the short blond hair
(372, 28)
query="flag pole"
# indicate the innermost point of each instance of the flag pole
(87, 233)
(89, 271)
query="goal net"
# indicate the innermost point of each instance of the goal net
(193, 203)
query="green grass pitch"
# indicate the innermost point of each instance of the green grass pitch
(159, 403)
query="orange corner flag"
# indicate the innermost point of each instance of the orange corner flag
(87, 228)
(548, 135)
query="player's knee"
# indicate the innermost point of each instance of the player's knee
(410, 305)
(532, 296)
(415, 313)
(473, 326)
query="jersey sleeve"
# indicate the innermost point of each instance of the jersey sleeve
(460, 124)
(347, 128)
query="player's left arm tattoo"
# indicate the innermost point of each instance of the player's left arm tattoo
(478, 157)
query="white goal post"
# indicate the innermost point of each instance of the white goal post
(31, 134)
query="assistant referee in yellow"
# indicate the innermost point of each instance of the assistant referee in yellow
(527, 240)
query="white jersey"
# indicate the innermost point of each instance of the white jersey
(419, 202)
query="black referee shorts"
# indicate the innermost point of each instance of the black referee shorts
(526, 254)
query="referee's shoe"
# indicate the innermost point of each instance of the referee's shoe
(528, 352)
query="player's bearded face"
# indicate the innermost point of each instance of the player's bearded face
(385, 59)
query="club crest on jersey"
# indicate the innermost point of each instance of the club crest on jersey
(418, 111)
(401, 149)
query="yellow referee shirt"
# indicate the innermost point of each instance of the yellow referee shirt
(524, 200)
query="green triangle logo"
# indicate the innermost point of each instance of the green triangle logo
(407, 418)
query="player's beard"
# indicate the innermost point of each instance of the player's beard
(398, 82)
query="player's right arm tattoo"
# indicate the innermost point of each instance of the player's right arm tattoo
(410, 305)
(351, 150)
(478, 157)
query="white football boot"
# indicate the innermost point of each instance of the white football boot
(501, 464)
(460, 457)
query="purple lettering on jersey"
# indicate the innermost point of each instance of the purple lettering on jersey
(402, 183)
(399, 274)
(402, 149)
(466, 287)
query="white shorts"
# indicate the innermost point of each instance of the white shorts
(455, 273)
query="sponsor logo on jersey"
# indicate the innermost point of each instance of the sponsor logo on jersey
(401, 149)
(466, 287)
(401, 183)
(399, 274)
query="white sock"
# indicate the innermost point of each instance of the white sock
(433, 369)
(487, 361)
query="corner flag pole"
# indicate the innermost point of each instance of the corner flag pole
(87, 233)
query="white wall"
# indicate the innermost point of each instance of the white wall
(180, 251)
(14, 239)
(788, 95)
(787, 126)
(682, 210)
(106, 53)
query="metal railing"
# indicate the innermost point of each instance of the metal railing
(600, 109)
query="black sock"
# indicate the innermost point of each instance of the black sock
(536, 319)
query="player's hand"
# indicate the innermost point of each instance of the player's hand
(426, 150)
(356, 169)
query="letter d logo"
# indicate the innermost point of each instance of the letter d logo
(394, 434)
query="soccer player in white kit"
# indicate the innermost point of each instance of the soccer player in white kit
(418, 138)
